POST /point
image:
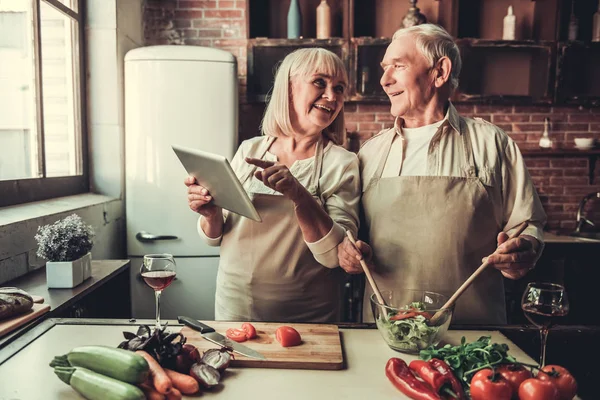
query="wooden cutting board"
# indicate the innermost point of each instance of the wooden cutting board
(320, 349)
(8, 325)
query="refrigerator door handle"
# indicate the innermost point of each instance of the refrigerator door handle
(148, 237)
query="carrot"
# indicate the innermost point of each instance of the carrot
(174, 394)
(185, 383)
(151, 393)
(160, 380)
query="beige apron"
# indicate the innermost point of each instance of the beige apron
(430, 233)
(266, 271)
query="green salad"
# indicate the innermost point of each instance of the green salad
(408, 329)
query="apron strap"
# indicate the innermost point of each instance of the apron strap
(262, 150)
(313, 184)
(469, 168)
(386, 152)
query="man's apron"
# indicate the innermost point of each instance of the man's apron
(430, 233)
(266, 271)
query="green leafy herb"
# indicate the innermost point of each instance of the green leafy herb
(468, 358)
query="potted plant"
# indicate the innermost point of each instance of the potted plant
(66, 245)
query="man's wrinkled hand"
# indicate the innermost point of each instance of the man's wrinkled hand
(514, 257)
(349, 256)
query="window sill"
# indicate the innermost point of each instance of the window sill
(24, 212)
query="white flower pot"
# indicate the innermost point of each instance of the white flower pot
(68, 274)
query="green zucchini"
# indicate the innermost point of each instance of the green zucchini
(94, 386)
(120, 364)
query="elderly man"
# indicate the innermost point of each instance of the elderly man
(440, 191)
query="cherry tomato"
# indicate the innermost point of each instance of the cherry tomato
(249, 329)
(562, 379)
(237, 335)
(515, 375)
(287, 336)
(536, 389)
(485, 385)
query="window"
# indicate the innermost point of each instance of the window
(42, 142)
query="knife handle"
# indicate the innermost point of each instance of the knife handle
(195, 324)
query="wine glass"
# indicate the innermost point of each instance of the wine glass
(158, 271)
(542, 304)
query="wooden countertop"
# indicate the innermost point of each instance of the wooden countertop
(61, 299)
(365, 355)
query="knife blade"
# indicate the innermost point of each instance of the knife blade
(211, 335)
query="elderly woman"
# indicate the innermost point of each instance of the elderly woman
(305, 187)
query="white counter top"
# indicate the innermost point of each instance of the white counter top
(27, 375)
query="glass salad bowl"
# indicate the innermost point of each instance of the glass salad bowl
(404, 323)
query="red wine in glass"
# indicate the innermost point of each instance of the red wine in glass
(158, 271)
(542, 315)
(158, 280)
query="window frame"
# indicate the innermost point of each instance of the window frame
(19, 191)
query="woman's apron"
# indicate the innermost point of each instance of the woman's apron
(430, 233)
(266, 271)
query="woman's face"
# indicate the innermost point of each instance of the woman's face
(316, 100)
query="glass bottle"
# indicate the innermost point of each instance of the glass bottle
(294, 20)
(596, 25)
(509, 25)
(573, 23)
(545, 142)
(413, 16)
(323, 20)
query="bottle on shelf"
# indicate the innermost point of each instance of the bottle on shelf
(545, 141)
(294, 20)
(573, 23)
(323, 20)
(510, 25)
(596, 25)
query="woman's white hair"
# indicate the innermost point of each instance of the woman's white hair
(434, 43)
(302, 63)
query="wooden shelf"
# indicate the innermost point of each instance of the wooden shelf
(592, 154)
(577, 78)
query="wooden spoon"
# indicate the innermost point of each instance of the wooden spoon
(368, 273)
(470, 280)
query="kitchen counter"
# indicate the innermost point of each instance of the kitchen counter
(365, 355)
(114, 273)
(550, 237)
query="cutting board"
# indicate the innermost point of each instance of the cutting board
(320, 349)
(8, 325)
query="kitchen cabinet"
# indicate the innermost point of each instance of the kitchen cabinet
(362, 29)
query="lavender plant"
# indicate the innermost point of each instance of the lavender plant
(65, 240)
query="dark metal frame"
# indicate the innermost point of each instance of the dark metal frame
(34, 189)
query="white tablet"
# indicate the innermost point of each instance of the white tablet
(215, 173)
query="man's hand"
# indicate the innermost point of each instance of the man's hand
(514, 257)
(278, 177)
(349, 256)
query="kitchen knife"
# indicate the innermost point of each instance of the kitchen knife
(211, 335)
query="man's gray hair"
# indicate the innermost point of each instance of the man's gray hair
(434, 43)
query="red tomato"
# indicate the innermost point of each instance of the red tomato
(536, 389)
(249, 329)
(562, 379)
(515, 375)
(485, 385)
(236, 334)
(288, 336)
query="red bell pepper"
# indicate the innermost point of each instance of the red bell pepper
(403, 378)
(439, 376)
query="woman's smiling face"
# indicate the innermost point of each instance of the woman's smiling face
(316, 100)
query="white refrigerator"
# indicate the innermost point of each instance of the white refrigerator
(185, 95)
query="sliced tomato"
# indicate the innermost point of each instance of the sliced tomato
(288, 336)
(403, 315)
(237, 335)
(249, 329)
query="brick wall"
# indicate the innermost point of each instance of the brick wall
(560, 181)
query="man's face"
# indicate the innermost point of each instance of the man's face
(407, 77)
